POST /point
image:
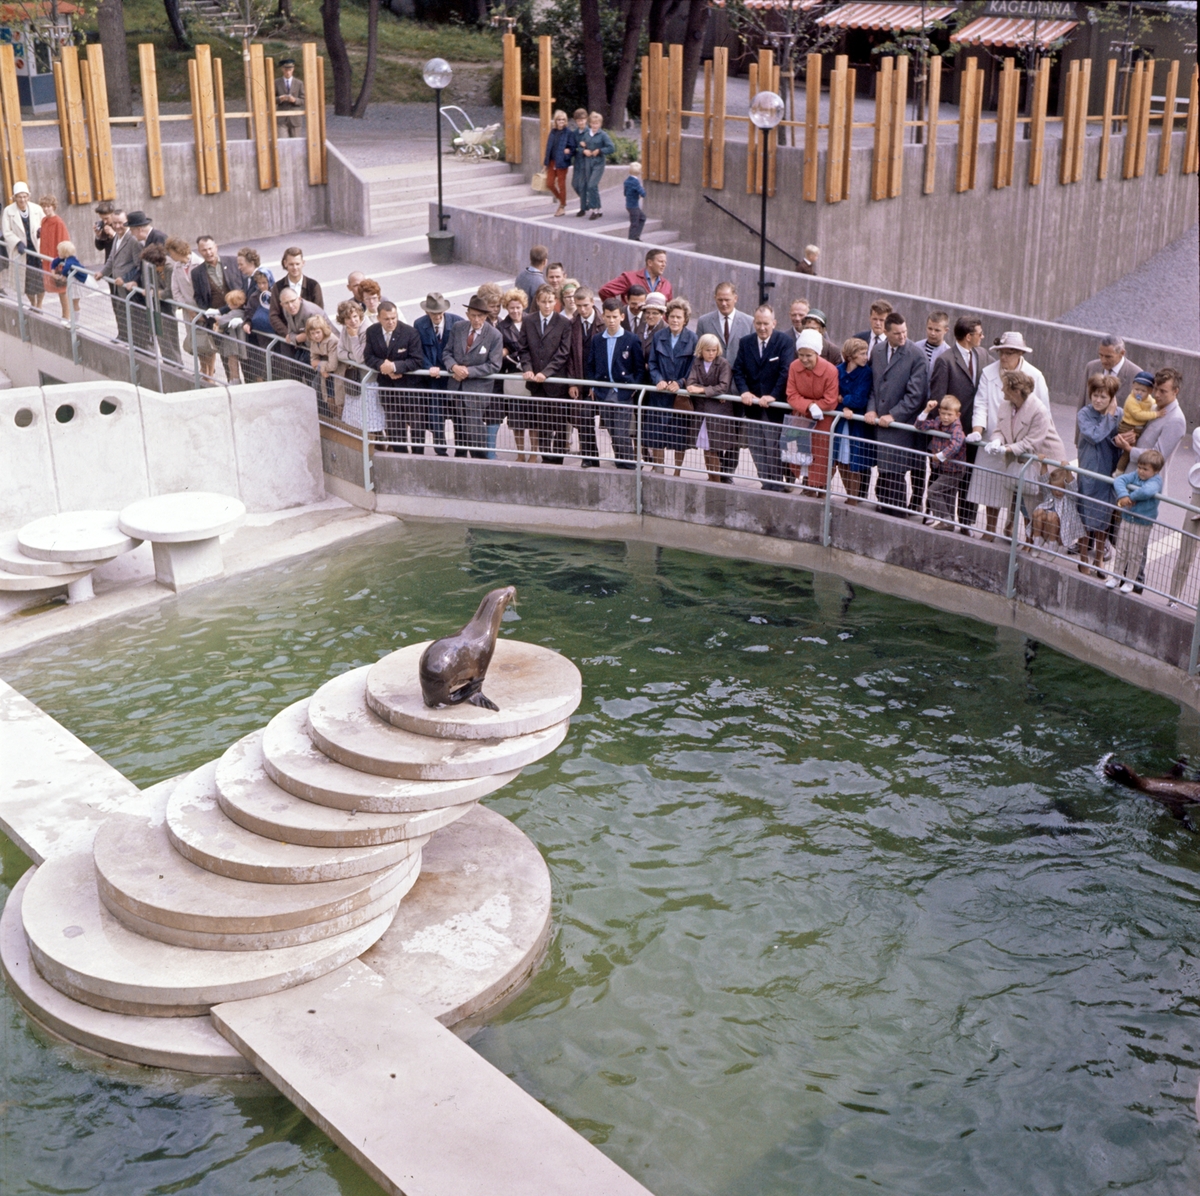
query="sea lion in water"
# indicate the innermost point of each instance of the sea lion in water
(1172, 791)
(452, 669)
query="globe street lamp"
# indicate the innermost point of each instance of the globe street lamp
(437, 74)
(766, 111)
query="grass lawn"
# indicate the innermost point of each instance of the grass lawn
(403, 46)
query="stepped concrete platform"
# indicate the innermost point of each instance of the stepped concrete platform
(534, 688)
(14, 561)
(77, 536)
(293, 762)
(416, 1108)
(344, 728)
(185, 529)
(203, 834)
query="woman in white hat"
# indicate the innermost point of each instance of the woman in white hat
(988, 488)
(21, 227)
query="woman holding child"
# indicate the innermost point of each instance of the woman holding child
(854, 448)
(1097, 423)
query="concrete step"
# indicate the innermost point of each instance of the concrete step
(474, 185)
(451, 168)
(201, 832)
(293, 762)
(84, 952)
(342, 727)
(13, 560)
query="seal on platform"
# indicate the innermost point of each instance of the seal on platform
(452, 669)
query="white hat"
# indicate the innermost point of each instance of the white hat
(655, 301)
(1013, 341)
(20, 188)
(810, 338)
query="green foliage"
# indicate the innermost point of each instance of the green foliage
(792, 32)
(629, 149)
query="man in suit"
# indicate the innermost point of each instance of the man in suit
(880, 310)
(143, 233)
(1110, 361)
(634, 319)
(475, 350)
(545, 346)
(393, 349)
(293, 276)
(937, 324)
(956, 372)
(123, 262)
(534, 275)
(434, 330)
(901, 383)
(615, 355)
(760, 377)
(215, 276)
(585, 324)
(727, 324)
(289, 99)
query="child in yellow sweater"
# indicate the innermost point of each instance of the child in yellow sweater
(1139, 410)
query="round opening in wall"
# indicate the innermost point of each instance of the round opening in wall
(107, 406)
(23, 418)
(65, 414)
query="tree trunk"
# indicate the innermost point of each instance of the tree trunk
(339, 60)
(176, 23)
(283, 10)
(110, 17)
(635, 18)
(661, 12)
(593, 56)
(364, 95)
(693, 48)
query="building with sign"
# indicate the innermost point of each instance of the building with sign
(34, 29)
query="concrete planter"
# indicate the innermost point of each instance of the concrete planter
(441, 248)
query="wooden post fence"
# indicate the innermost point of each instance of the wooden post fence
(969, 98)
(149, 76)
(716, 167)
(512, 99)
(314, 104)
(1037, 126)
(95, 96)
(1191, 144)
(13, 159)
(896, 143)
(545, 90)
(883, 128)
(1168, 118)
(931, 131)
(812, 119)
(1006, 124)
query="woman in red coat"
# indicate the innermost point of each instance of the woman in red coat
(54, 232)
(812, 391)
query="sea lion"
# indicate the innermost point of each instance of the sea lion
(452, 669)
(1172, 791)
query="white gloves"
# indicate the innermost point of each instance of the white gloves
(974, 437)
(212, 313)
(815, 412)
(234, 324)
(994, 447)
(939, 456)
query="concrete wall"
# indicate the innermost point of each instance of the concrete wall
(231, 216)
(1121, 633)
(501, 242)
(105, 444)
(1038, 250)
(349, 196)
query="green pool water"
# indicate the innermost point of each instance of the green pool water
(841, 902)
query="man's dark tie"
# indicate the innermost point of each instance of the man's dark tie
(727, 332)
(470, 340)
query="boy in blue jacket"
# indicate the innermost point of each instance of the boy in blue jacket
(1137, 496)
(635, 192)
(613, 356)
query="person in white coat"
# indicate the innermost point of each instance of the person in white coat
(21, 223)
(987, 488)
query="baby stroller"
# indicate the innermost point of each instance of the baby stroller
(472, 140)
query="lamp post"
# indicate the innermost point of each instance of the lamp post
(766, 111)
(437, 74)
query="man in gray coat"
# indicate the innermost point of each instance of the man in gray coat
(124, 261)
(1111, 360)
(727, 324)
(901, 378)
(475, 350)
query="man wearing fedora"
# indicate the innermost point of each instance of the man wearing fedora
(393, 349)
(289, 98)
(475, 350)
(434, 330)
(815, 321)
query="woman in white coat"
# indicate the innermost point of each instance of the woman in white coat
(21, 224)
(987, 489)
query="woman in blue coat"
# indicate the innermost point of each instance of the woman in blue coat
(669, 361)
(1097, 421)
(560, 156)
(854, 448)
(593, 149)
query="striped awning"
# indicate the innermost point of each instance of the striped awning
(1011, 31)
(882, 16)
(793, 4)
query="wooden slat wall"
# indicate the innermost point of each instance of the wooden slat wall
(812, 120)
(835, 156)
(206, 101)
(273, 120)
(313, 102)
(6, 180)
(512, 99)
(149, 75)
(896, 141)
(1066, 156)
(720, 83)
(545, 88)
(968, 126)
(883, 129)
(931, 127)
(1081, 119)
(1110, 91)
(64, 136)
(1006, 125)
(1133, 107)
(321, 117)
(104, 179)
(1168, 121)
(753, 139)
(72, 84)
(197, 130)
(674, 112)
(1191, 143)
(1037, 139)
(851, 91)
(218, 70)
(1143, 121)
(259, 116)
(14, 137)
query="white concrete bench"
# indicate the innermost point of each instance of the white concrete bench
(62, 550)
(185, 530)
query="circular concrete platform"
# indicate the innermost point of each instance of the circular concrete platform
(182, 517)
(75, 536)
(534, 688)
(13, 560)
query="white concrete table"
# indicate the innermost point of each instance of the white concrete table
(185, 530)
(83, 539)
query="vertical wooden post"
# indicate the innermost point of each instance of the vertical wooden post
(1110, 91)
(207, 120)
(706, 179)
(313, 103)
(1132, 110)
(512, 99)
(646, 121)
(197, 126)
(1037, 141)
(272, 118)
(768, 80)
(64, 137)
(101, 131)
(883, 129)
(72, 86)
(720, 77)
(1143, 122)
(1168, 118)
(753, 140)
(1081, 116)
(836, 145)
(1005, 128)
(14, 137)
(899, 108)
(1066, 156)
(321, 118)
(932, 122)
(219, 115)
(851, 92)
(968, 126)
(257, 104)
(1191, 145)
(658, 112)
(812, 119)
(89, 113)
(149, 76)
(6, 179)
(674, 112)
(546, 91)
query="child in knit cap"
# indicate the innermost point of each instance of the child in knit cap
(1140, 408)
